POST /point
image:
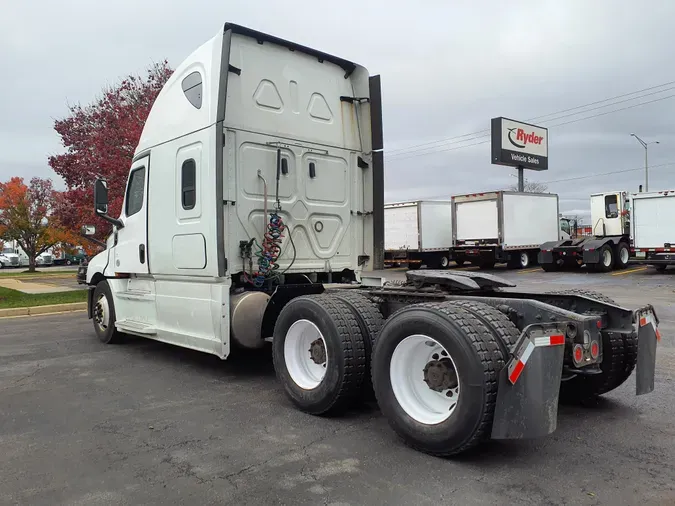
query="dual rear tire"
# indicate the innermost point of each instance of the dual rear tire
(434, 366)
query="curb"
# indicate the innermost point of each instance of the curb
(40, 310)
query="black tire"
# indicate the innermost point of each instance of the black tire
(443, 262)
(519, 260)
(584, 293)
(478, 359)
(504, 330)
(106, 332)
(344, 376)
(550, 267)
(581, 389)
(603, 266)
(370, 320)
(622, 250)
(619, 353)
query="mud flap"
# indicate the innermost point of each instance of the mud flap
(529, 386)
(648, 335)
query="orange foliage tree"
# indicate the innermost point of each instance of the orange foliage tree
(27, 217)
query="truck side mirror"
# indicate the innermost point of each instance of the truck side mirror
(101, 197)
(101, 203)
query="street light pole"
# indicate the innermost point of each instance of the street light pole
(644, 145)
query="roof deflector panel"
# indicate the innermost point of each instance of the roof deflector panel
(346, 65)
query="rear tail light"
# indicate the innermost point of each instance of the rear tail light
(578, 354)
(595, 349)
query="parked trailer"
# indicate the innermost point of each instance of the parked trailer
(261, 151)
(652, 228)
(418, 233)
(609, 246)
(502, 226)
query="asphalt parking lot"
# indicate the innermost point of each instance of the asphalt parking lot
(148, 423)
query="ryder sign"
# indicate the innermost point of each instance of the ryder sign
(519, 144)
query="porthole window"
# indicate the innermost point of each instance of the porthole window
(192, 87)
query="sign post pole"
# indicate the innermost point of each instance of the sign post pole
(521, 178)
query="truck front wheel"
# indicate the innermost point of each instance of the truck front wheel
(104, 315)
(319, 353)
(435, 371)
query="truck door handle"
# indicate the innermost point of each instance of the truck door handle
(141, 253)
(312, 170)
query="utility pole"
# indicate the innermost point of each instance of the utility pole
(644, 145)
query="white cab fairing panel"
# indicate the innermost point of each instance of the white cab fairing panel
(289, 100)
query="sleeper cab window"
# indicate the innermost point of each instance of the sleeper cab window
(188, 185)
(135, 191)
(192, 87)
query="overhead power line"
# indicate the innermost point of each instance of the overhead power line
(430, 151)
(574, 178)
(482, 133)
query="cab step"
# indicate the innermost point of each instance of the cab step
(136, 327)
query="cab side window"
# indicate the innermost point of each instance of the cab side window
(135, 191)
(611, 206)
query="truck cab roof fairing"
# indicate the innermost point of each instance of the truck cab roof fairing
(173, 114)
(261, 37)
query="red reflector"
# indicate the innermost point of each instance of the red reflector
(516, 372)
(643, 321)
(599, 324)
(556, 340)
(591, 249)
(595, 350)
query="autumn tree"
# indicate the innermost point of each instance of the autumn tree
(27, 216)
(99, 141)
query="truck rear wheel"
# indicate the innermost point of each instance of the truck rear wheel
(435, 372)
(551, 267)
(504, 330)
(619, 354)
(103, 314)
(606, 259)
(370, 320)
(519, 260)
(319, 353)
(622, 255)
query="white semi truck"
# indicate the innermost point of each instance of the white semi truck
(652, 228)
(418, 233)
(254, 212)
(502, 227)
(606, 249)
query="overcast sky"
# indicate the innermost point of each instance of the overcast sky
(447, 67)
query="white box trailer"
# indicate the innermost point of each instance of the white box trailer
(652, 228)
(502, 226)
(418, 233)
